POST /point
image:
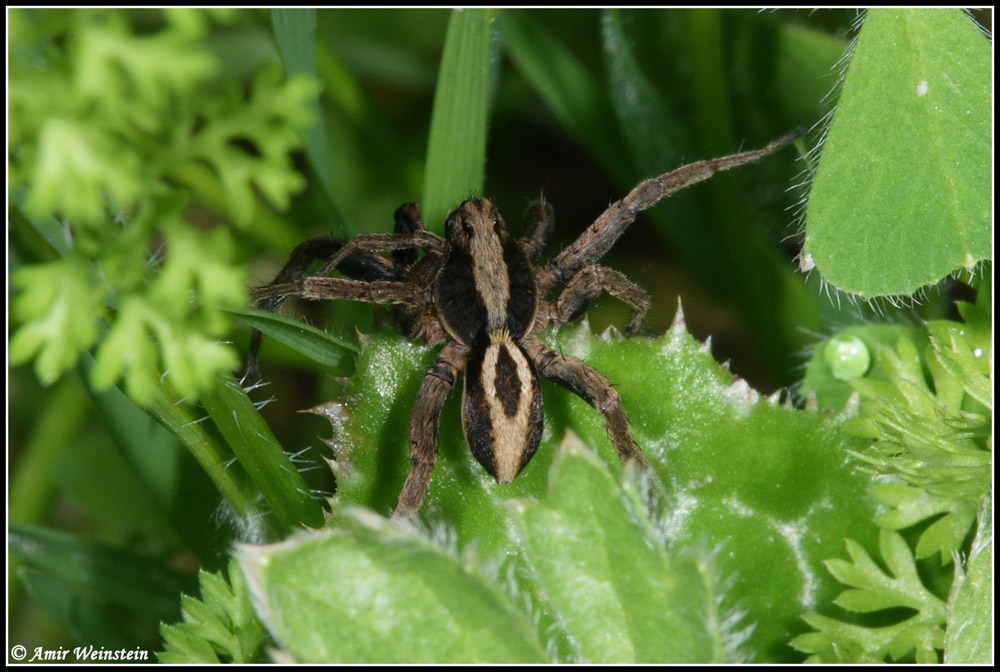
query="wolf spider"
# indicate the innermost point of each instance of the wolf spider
(483, 294)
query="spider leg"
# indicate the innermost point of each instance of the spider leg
(359, 265)
(586, 286)
(425, 418)
(316, 287)
(408, 220)
(538, 220)
(588, 383)
(605, 231)
(393, 242)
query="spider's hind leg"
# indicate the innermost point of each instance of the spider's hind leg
(425, 419)
(591, 385)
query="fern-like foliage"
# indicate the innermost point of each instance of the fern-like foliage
(931, 455)
(220, 627)
(873, 589)
(115, 131)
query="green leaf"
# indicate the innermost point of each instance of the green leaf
(270, 121)
(261, 455)
(901, 196)
(59, 309)
(970, 605)
(369, 592)
(182, 647)
(572, 93)
(456, 150)
(231, 480)
(221, 623)
(122, 577)
(876, 590)
(602, 563)
(316, 344)
(768, 482)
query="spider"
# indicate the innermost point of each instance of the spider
(484, 295)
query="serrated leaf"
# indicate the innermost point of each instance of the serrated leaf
(604, 567)
(221, 622)
(875, 590)
(456, 149)
(349, 595)
(182, 647)
(901, 194)
(970, 605)
(210, 627)
(770, 483)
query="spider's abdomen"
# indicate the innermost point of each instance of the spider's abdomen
(485, 284)
(502, 407)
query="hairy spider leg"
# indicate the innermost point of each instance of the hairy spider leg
(370, 242)
(538, 223)
(362, 265)
(425, 419)
(589, 384)
(605, 231)
(586, 286)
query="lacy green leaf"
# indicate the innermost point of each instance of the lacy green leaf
(220, 627)
(874, 589)
(58, 309)
(970, 606)
(109, 125)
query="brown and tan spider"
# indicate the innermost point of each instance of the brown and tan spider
(482, 294)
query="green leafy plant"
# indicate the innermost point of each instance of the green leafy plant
(220, 627)
(133, 133)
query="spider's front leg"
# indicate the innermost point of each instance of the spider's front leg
(425, 418)
(586, 286)
(360, 265)
(538, 219)
(394, 242)
(605, 231)
(589, 384)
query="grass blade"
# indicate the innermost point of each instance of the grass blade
(261, 455)
(305, 339)
(456, 151)
(295, 33)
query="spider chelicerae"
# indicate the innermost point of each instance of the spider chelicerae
(484, 295)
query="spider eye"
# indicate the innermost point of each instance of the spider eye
(467, 228)
(497, 226)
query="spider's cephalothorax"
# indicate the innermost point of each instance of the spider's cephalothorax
(483, 294)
